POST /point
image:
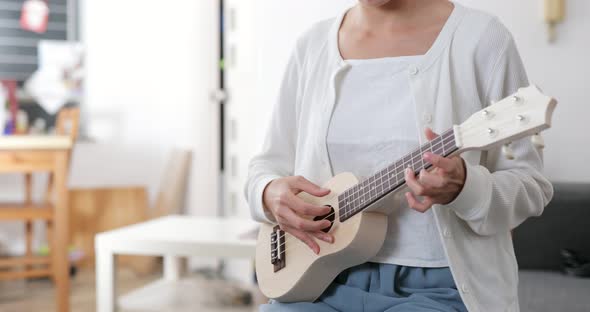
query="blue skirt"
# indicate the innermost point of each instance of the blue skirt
(372, 287)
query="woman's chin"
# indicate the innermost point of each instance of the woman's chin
(374, 3)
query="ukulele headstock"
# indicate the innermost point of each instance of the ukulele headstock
(525, 113)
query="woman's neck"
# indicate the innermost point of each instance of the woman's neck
(400, 27)
(398, 14)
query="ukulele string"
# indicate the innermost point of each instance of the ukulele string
(288, 238)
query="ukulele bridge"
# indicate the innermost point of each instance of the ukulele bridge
(277, 248)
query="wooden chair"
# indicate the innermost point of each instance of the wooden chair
(67, 123)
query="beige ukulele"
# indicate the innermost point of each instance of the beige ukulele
(289, 271)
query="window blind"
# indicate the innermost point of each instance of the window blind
(18, 47)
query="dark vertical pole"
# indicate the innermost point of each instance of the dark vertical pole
(221, 87)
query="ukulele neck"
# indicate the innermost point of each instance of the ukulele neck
(390, 178)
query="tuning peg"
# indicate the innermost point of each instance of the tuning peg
(507, 151)
(538, 141)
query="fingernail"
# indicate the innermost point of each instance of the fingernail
(427, 155)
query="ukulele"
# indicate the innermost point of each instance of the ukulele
(288, 271)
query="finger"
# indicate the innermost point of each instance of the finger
(302, 184)
(305, 238)
(438, 161)
(413, 184)
(295, 221)
(430, 179)
(416, 204)
(328, 238)
(304, 208)
(430, 135)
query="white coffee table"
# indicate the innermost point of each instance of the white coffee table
(172, 237)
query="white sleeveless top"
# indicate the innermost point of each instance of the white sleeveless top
(374, 124)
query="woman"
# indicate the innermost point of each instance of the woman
(365, 88)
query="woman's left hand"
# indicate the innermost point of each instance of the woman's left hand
(441, 185)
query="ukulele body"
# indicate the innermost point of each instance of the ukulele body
(300, 274)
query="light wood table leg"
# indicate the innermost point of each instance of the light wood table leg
(60, 263)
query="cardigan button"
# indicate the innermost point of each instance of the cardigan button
(464, 288)
(413, 70)
(427, 118)
(447, 233)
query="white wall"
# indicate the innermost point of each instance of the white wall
(151, 66)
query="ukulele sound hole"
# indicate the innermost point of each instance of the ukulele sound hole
(328, 216)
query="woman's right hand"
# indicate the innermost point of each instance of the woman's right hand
(279, 198)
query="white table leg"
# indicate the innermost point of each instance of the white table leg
(105, 281)
(172, 268)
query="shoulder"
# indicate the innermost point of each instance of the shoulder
(315, 38)
(480, 32)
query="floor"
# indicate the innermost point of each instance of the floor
(37, 295)
(539, 292)
(546, 291)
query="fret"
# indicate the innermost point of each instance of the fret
(365, 185)
(384, 178)
(413, 161)
(348, 207)
(421, 157)
(391, 168)
(379, 188)
(389, 184)
(412, 164)
(416, 156)
(401, 175)
(378, 175)
(391, 173)
(385, 182)
(436, 145)
(406, 160)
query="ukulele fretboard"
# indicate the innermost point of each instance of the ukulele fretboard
(368, 191)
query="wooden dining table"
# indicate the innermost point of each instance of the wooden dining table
(48, 153)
